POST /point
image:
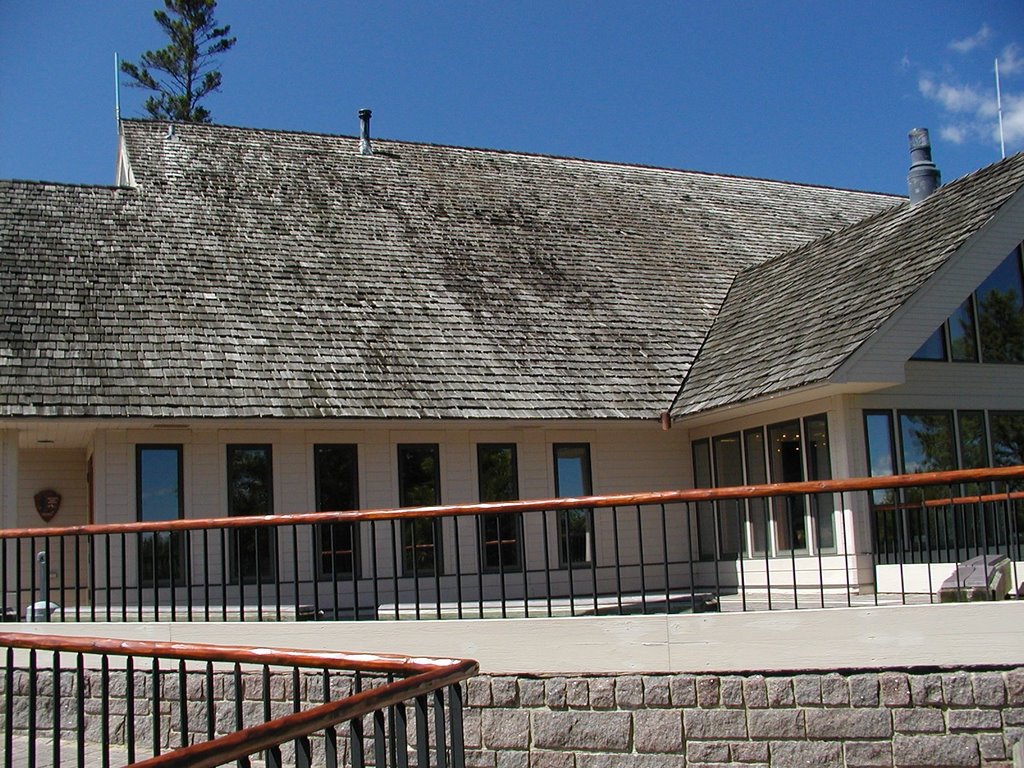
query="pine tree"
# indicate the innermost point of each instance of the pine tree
(184, 73)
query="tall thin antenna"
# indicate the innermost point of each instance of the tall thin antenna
(117, 89)
(999, 109)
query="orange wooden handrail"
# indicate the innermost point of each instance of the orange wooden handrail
(957, 477)
(421, 675)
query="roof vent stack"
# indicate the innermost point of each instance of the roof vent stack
(364, 132)
(923, 177)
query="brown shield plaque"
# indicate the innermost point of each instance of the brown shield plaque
(47, 504)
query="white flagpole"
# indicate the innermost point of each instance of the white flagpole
(999, 108)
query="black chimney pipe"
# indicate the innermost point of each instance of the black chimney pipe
(364, 132)
(923, 177)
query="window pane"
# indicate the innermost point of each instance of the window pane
(934, 348)
(572, 478)
(705, 510)
(1007, 438)
(250, 492)
(962, 333)
(1001, 313)
(159, 498)
(787, 467)
(419, 485)
(728, 472)
(337, 490)
(927, 438)
(757, 474)
(819, 467)
(499, 481)
(973, 451)
(878, 432)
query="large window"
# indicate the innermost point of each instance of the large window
(500, 535)
(419, 485)
(989, 326)
(788, 452)
(575, 526)
(251, 493)
(337, 490)
(159, 498)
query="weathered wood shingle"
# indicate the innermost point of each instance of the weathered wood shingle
(269, 274)
(795, 319)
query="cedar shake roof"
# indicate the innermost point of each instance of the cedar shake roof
(269, 274)
(795, 319)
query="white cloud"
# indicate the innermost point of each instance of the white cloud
(968, 44)
(955, 134)
(1010, 60)
(1013, 119)
(953, 98)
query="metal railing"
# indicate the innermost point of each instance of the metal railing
(160, 705)
(812, 544)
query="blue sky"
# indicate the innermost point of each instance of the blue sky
(814, 92)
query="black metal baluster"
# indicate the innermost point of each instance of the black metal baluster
(501, 566)
(846, 549)
(129, 717)
(458, 569)
(380, 747)
(172, 582)
(259, 574)
(78, 578)
(816, 521)
(106, 572)
(138, 575)
(272, 755)
(334, 572)
(792, 553)
(244, 762)
(236, 533)
(275, 541)
(422, 733)
(123, 538)
(592, 524)
(617, 557)
(225, 556)
(689, 557)
(105, 704)
(188, 571)
(295, 569)
(17, 578)
(400, 736)
(31, 707)
(183, 701)
(56, 709)
(154, 697)
(33, 571)
(356, 729)
(373, 568)
(415, 566)
(478, 532)
(928, 548)
(441, 745)
(315, 557)
(566, 549)
(547, 556)
(3, 570)
(211, 715)
(206, 574)
(640, 555)
(524, 563)
(438, 559)
(156, 580)
(455, 718)
(62, 581)
(80, 708)
(664, 565)
(767, 550)
(330, 732)
(303, 753)
(356, 551)
(397, 563)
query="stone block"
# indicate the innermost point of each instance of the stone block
(544, 759)
(577, 693)
(472, 728)
(895, 689)
(749, 751)
(992, 746)
(656, 691)
(554, 693)
(510, 759)
(479, 758)
(919, 721)
(755, 692)
(867, 754)
(531, 692)
(505, 729)
(714, 724)
(946, 751)
(926, 690)
(780, 692)
(658, 731)
(957, 689)
(707, 752)
(708, 689)
(806, 754)
(864, 691)
(594, 731)
(807, 690)
(731, 692)
(504, 692)
(591, 760)
(1013, 716)
(974, 720)
(771, 724)
(683, 690)
(848, 724)
(989, 690)
(1014, 687)
(602, 692)
(834, 691)
(478, 692)
(629, 692)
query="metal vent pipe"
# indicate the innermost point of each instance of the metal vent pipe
(923, 177)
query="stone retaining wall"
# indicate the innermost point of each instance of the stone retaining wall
(949, 718)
